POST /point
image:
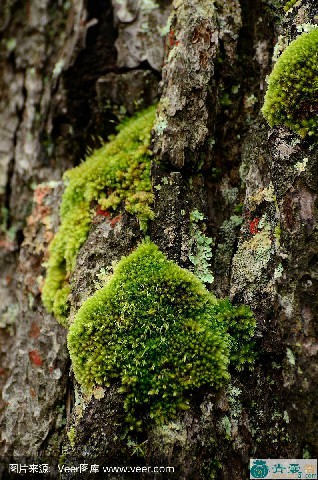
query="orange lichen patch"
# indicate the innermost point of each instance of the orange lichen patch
(100, 211)
(30, 220)
(34, 330)
(7, 245)
(48, 236)
(115, 220)
(35, 358)
(172, 39)
(254, 226)
(38, 215)
(32, 392)
(40, 192)
(43, 211)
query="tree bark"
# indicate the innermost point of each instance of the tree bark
(70, 72)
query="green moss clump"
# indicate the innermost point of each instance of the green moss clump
(118, 174)
(156, 329)
(292, 95)
(289, 5)
(72, 436)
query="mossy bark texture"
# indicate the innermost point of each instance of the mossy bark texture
(235, 202)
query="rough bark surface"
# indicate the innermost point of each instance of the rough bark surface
(188, 104)
(255, 189)
(38, 39)
(36, 407)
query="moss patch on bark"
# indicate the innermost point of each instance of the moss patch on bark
(113, 177)
(291, 98)
(156, 329)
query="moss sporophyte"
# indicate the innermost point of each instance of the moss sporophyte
(292, 95)
(115, 176)
(156, 329)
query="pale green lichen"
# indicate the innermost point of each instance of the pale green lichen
(250, 101)
(255, 254)
(98, 393)
(11, 44)
(252, 257)
(235, 404)
(201, 249)
(161, 126)
(230, 421)
(286, 417)
(156, 329)
(113, 177)
(278, 273)
(170, 434)
(290, 357)
(166, 28)
(103, 276)
(280, 46)
(58, 68)
(161, 122)
(300, 166)
(148, 6)
(227, 427)
(266, 194)
(306, 27)
(229, 193)
(291, 97)
(8, 233)
(8, 317)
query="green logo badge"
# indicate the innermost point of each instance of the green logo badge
(259, 469)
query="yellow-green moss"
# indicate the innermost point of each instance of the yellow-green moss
(72, 436)
(116, 175)
(289, 5)
(292, 95)
(156, 329)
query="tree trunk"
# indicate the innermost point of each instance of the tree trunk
(70, 72)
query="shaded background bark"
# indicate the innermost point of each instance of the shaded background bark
(70, 71)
